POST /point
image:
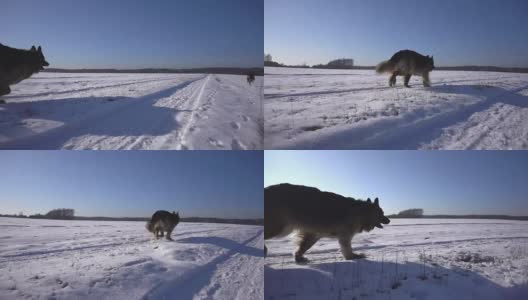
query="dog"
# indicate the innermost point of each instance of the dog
(17, 65)
(315, 214)
(163, 221)
(407, 63)
(250, 78)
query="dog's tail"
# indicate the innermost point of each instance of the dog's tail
(384, 67)
(149, 226)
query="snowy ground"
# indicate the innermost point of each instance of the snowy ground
(355, 109)
(408, 259)
(132, 111)
(45, 259)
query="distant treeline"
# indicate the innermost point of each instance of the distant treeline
(496, 217)
(231, 71)
(189, 220)
(484, 68)
(54, 214)
(279, 65)
(67, 216)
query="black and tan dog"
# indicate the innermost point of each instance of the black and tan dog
(407, 63)
(315, 214)
(163, 221)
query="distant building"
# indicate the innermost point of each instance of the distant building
(268, 58)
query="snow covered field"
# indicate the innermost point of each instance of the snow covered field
(408, 259)
(356, 109)
(132, 111)
(48, 259)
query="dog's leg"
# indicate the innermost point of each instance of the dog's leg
(4, 90)
(306, 241)
(392, 79)
(426, 81)
(407, 78)
(346, 248)
(168, 236)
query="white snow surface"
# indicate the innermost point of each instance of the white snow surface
(356, 109)
(48, 259)
(133, 111)
(408, 259)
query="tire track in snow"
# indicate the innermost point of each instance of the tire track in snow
(409, 132)
(240, 276)
(196, 104)
(101, 87)
(145, 141)
(30, 255)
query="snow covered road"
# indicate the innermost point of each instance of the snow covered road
(132, 111)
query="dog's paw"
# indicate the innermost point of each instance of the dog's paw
(301, 259)
(355, 256)
(359, 255)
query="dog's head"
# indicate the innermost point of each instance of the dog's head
(374, 216)
(38, 59)
(430, 63)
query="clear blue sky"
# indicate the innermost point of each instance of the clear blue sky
(440, 182)
(137, 33)
(226, 184)
(456, 32)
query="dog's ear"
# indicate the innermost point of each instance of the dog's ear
(33, 48)
(376, 201)
(368, 200)
(39, 49)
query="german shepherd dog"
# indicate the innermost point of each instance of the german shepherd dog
(315, 214)
(250, 78)
(161, 221)
(407, 63)
(17, 65)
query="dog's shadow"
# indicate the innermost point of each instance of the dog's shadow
(363, 278)
(224, 243)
